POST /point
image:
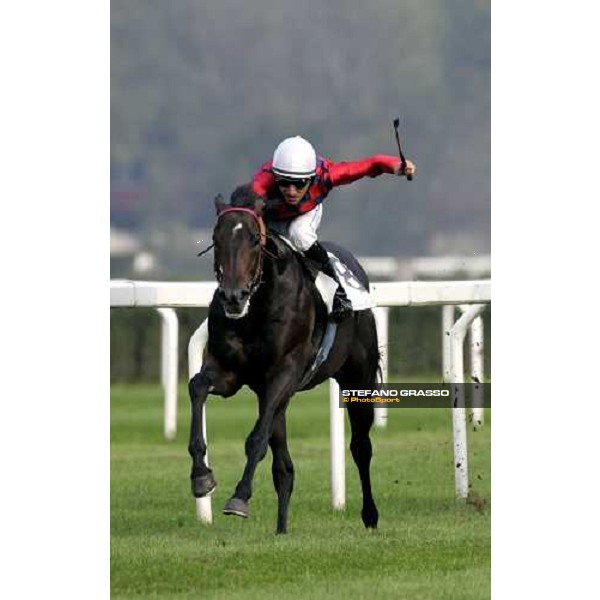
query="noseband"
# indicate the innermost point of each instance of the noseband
(262, 241)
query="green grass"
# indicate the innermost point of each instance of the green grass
(427, 545)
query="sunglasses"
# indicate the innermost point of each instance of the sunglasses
(284, 182)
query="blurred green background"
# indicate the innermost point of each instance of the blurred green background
(415, 346)
(202, 92)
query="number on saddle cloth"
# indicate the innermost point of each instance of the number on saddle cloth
(347, 278)
(355, 289)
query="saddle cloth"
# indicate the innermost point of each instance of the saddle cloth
(356, 292)
(358, 295)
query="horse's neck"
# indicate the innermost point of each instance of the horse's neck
(281, 272)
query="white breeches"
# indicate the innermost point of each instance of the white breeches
(302, 231)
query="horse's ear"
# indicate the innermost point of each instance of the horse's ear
(259, 207)
(219, 204)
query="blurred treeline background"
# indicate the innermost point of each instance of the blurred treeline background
(202, 91)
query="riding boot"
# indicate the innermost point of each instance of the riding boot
(342, 308)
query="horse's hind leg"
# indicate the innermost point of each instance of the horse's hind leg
(361, 420)
(359, 371)
(282, 469)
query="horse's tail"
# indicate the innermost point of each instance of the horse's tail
(379, 369)
(376, 375)
(379, 372)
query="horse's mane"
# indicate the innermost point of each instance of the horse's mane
(244, 197)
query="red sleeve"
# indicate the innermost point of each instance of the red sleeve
(263, 181)
(346, 172)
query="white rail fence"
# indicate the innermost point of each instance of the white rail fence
(469, 296)
(169, 372)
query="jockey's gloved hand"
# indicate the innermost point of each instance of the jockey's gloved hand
(409, 169)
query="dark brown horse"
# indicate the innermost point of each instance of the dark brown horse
(265, 325)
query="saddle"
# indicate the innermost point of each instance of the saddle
(351, 275)
(357, 291)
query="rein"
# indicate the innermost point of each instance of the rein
(205, 250)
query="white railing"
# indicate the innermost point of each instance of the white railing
(470, 296)
(168, 368)
(124, 292)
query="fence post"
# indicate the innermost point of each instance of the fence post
(381, 314)
(455, 374)
(447, 323)
(195, 351)
(476, 342)
(338, 458)
(168, 371)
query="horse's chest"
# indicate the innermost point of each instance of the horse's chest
(237, 353)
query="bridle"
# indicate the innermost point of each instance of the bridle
(262, 242)
(259, 221)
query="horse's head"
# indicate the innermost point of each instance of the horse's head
(239, 237)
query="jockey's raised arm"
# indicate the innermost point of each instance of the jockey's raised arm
(295, 184)
(342, 173)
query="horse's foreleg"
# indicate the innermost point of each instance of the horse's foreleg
(212, 378)
(282, 469)
(203, 482)
(256, 448)
(277, 392)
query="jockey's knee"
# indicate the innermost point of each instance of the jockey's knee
(301, 238)
(302, 231)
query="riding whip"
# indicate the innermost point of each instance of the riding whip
(402, 158)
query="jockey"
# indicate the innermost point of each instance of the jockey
(295, 184)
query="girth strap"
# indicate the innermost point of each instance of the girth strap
(322, 354)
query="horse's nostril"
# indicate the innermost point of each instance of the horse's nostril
(228, 296)
(233, 297)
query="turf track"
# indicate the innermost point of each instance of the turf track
(427, 545)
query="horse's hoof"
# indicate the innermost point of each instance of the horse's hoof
(204, 485)
(238, 507)
(370, 518)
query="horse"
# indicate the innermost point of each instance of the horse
(265, 324)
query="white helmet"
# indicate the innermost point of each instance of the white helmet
(295, 158)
